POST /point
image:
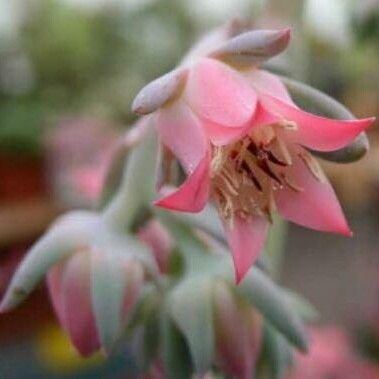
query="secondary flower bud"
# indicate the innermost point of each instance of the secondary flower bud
(94, 276)
(72, 286)
(238, 329)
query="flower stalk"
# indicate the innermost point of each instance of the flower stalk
(137, 186)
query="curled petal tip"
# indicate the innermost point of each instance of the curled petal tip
(347, 232)
(371, 121)
(364, 123)
(159, 92)
(193, 194)
(344, 230)
(351, 153)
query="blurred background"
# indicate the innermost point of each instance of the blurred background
(69, 70)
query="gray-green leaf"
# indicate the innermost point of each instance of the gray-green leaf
(265, 295)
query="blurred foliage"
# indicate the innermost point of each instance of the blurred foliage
(66, 59)
(20, 125)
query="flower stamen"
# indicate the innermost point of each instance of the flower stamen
(290, 184)
(313, 166)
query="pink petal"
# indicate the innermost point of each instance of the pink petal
(263, 117)
(246, 238)
(193, 194)
(182, 132)
(316, 132)
(221, 136)
(219, 94)
(315, 207)
(266, 83)
(74, 307)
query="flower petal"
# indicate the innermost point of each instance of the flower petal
(76, 306)
(263, 117)
(193, 194)
(316, 206)
(219, 94)
(316, 132)
(264, 82)
(182, 132)
(246, 238)
(221, 136)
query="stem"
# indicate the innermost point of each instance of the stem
(137, 186)
(192, 249)
(275, 245)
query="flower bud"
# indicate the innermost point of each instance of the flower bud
(94, 276)
(238, 330)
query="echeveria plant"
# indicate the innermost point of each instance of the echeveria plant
(222, 147)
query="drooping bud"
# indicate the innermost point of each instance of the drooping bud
(117, 162)
(190, 306)
(253, 47)
(272, 302)
(94, 273)
(70, 293)
(159, 92)
(238, 333)
(68, 233)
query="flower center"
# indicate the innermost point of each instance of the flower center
(246, 173)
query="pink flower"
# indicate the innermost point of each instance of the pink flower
(70, 288)
(243, 144)
(238, 334)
